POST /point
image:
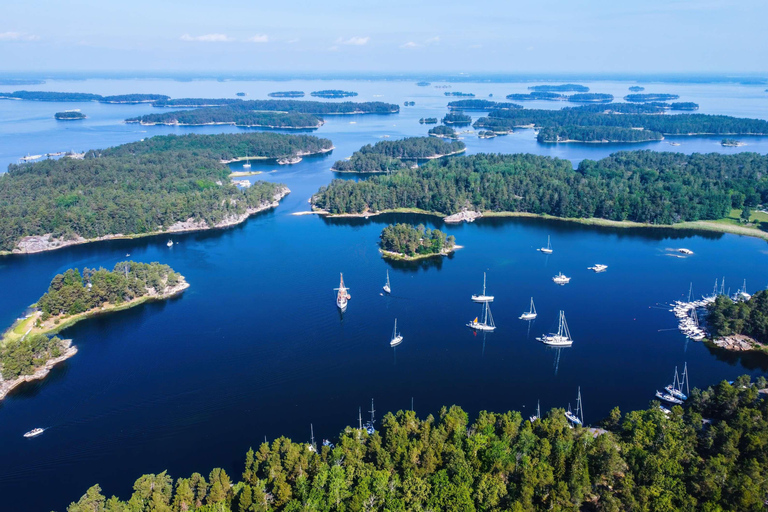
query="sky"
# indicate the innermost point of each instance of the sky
(414, 36)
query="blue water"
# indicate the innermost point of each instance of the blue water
(256, 347)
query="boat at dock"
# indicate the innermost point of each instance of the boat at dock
(562, 338)
(487, 323)
(343, 295)
(387, 287)
(561, 279)
(536, 416)
(397, 338)
(548, 248)
(668, 398)
(598, 267)
(34, 432)
(482, 297)
(531, 314)
(676, 388)
(576, 417)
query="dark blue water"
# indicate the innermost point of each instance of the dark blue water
(256, 346)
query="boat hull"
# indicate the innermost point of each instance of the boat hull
(481, 327)
(482, 298)
(528, 316)
(396, 341)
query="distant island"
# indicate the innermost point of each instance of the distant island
(744, 320)
(409, 103)
(731, 143)
(185, 186)
(428, 120)
(285, 105)
(445, 132)
(481, 105)
(458, 118)
(21, 81)
(636, 88)
(133, 98)
(286, 94)
(333, 93)
(650, 97)
(27, 350)
(423, 84)
(233, 116)
(559, 88)
(590, 97)
(69, 115)
(460, 94)
(684, 105)
(599, 134)
(484, 134)
(241, 94)
(388, 155)
(406, 242)
(548, 96)
(81, 96)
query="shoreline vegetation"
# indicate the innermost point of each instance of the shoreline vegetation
(28, 349)
(390, 155)
(706, 454)
(82, 97)
(408, 243)
(52, 204)
(229, 116)
(69, 115)
(741, 324)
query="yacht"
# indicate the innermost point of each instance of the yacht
(562, 338)
(487, 323)
(685, 251)
(548, 248)
(531, 314)
(536, 416)
(397, 338)
(34, 432)
(668, 398)
(576, 417)
(170, 243)
(598, 267)
(387, 288)
(482, 297)
(561, 279)
(247, 164)
(342, 296)
(676, 388)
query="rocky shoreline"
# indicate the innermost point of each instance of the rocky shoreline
(738, 343)
(6, 386)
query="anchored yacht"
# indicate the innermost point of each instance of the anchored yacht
(562, 338)
(531, 314)
(561, 279)
(482, 297)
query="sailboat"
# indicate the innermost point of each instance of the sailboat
(170, 243)
(676, 388)
(397, 338)
(548, 248)
(536, 416)
(560, 339)
(482, 297)
(531, 314)
(247, 164)
(369, 425)
(387, 288)
(487, 323)
(576, 417)
(342, 296)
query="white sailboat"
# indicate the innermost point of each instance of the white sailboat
(668, 398)
(482, 297)
(247, 164)
(397, 338)
(562, 338)
(342, 296)
(536, 416)
(531, 314)
(548, 248)
(676, 388)
(487, 323)
(576, 417)
(561, 279)
(387, 288)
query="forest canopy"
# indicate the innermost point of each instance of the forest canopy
(407, 240)
(234, 116)
(387, 155)
(286, 94)
(750, 317)
(650, 97)
(286, 105)
(559, 88)
(69, 115)
(333, 93)
(481, 105)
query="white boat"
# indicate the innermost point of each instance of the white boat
(665, 410)
(170, 243)
(343, 295)
(562, 338)
(482, 297)
(397, 338)
(536, 416)
(247, 164)
(34, 432)
(487, 323)
(668, 398)
(531, 314)
(387, 288)
(685, 251)
(548, 248)
(676, 388)
(598, 267)
(561, 279)
(576, 417)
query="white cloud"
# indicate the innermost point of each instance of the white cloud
(17, 36)
(259, 38)
(207, 38)
(409, 45)
(354, 41)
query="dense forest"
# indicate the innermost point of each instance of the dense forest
(460, 94)
(481, 105)
(650, 97)
(595, 134)
(636, 88)
(559, 88)
(387, 155)
(333, 93)
(623, 108)
(443, 131)
(706, 456)
(282, 105)
(591, 97)
(458, 118)
(69, 115)
(23, 355)
(228, 115)
(134, 98)
(550, 96)
(82, 96)
(286, 94)
(750, 317)
(428, 120)
(684, 105)
(679, 124)
(641, 186)
(415, 241)
(131, 189)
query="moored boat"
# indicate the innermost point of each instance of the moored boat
(397, 338)
(548, 248)
(531, 314)
(562, 338)
(561, 279)
(343, 295)
(34, 432)
(487, 324)
(482, 297)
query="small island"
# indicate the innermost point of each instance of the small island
(428, 120)
(590, 97)
(684, 105)
(69, 115)
(286, 94)
(460, 94)
(241, 94)
(485, 134)
(388, 155)
(445, 132)
(284, 105)
(458, 118)
(132, 99)
(739, 325)
(231, 116)
(409, 103)
(481, 105)
(82, 96)
(640, 98)
(27, 350)
(559, 88)
(636, 88)
(333, 93)
(423, 84)
(732, 143)
(596, 134)
(406, 242)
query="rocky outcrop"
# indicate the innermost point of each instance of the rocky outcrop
(6, 386)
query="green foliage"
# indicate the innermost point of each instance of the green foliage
(81, 96)
(134, 98)
(458, 118)
(231, 115)
(443, 131)
(543, 95)
(333, 93)
(481, 105)
(595, 134)
(428, 120)
(750, 317)
(388, 155)
(559, 88)
(22, 356)
(684, 105)
(306, 107)
(641, 186)
(650, 97)
(411, 241)
(70, 115)
(286, 94)
(645, 462)
(590, 97)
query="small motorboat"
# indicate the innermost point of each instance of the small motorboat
(34, 432)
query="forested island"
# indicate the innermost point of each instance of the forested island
(241, 94)
(443, 131)
(749, 318)
(305, 107)
(595, 134)
(333, 93)
(69, 115)
(646, 187)
(458, 118)
(183, 187)
(731, 143)
(82, 96)
(684, 105)
(636, 88)
(549, 96)
(423, 84)
(406, 242)
(133, 98)
(484, 134)
(27, 351)
(707, 455)
(388, 155)
(460, 94)
(650, 97)
(559, 88)
(590, 97)
(481, 105)
(233, 116)
(428, 120)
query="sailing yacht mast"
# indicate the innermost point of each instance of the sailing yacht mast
(360, 418)
(387, 287)
(579, 406)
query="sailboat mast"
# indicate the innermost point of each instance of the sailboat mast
(579, 406)
(312, 433)
(538, 409)
(483, 284)
(685, 378)
(360, 418)
(372, 411)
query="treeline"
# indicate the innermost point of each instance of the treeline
(23, 355)
(460, 94)
(428, 120)
(684, 105)
(549, 96)
(596, 134)
(654, 107)
(481, 105)
(333, 93)
(235, 116)
(636, 88)
(306, 107)
(651, 97)
(707, 455)
(443, 131)
(286, 94)
(750, 317)
(81, 96)
(412, 241)
(387, 155)
(69, 116)
(457, 117)
(134, 98)
(559, 88)
(120, 192)
(591, 97)
(641, 186)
